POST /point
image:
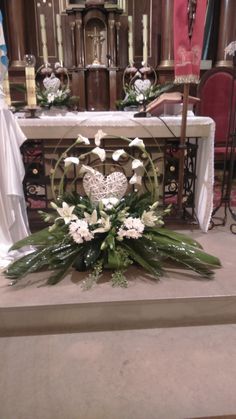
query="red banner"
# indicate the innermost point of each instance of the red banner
(188, 42)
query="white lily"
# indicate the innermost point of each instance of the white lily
(154, 205)
(136, 180)
(98, 136)
(83, 140)
(137, 142)
(117, 154)
(105, 225)
(149, 218)
(100, 152)
(91, 218)
(66, 212)
(71, 160)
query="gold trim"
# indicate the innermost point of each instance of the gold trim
(224, 63)
(166, 64)
(17, 63)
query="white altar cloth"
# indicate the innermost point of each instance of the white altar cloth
(69, 125)
(13, 217)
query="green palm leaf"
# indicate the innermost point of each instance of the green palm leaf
(188, 256)
(40, 238)
(173, 235)
(143, 259)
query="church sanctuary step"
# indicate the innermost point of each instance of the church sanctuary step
(178, 299)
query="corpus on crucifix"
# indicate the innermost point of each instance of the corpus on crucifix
(97, 40)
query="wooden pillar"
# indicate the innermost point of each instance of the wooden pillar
(79, 40)
(111, 40)
(73, 44)
(16, 32)
(118, 25)
(227, 31)
(167, 41)
(113, 89)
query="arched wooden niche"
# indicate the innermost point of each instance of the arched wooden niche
(95, 39)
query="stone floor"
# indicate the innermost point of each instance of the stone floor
(155, 374)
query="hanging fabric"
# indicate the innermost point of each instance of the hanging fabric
(13, 215)
(189, 20)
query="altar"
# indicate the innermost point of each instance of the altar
(49, 129)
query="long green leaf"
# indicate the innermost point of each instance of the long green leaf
(156, 270)
(173, 235)
(40, 238)
(58, 276)
(191, 257)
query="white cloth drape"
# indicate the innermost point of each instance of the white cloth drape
(13, 216)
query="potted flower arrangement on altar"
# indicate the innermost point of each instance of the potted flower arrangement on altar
(138, 94)
(140, 87)
(54, 93)
(107, 227)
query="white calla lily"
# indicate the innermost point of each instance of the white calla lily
(83, 140)
(117, 154)
(136, 180)
(100, 152)
(71, 160)
(136, 163)
(137, 142)
(98, 136)
(87, 169)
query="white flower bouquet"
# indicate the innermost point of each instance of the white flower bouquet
(108, 228)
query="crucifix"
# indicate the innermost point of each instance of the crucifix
(97, 39)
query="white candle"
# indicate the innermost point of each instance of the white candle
(44, 38)
(30, 86)
(130, 41)
(6, 89)
(145, 39)
(59, 38)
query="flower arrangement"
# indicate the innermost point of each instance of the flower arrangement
(107, 227)
(46, 98)
(54, 92)
(135, 97)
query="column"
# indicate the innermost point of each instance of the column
(227, 31)
(16, 31)
(111, 40)
(167, 41)
(79, 40)
(72, 31)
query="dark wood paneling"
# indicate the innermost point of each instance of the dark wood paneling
(97, 88)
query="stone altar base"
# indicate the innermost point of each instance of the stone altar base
(178, 299)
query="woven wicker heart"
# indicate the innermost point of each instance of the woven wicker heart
(141, 86)
(98, 187)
